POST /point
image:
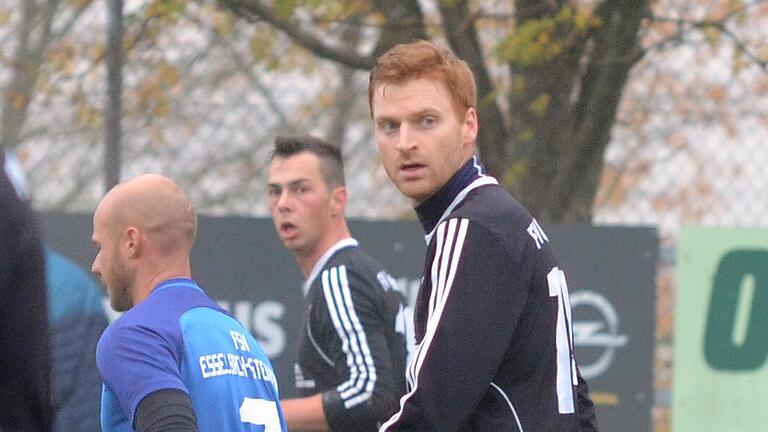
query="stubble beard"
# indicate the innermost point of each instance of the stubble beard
(121, 288)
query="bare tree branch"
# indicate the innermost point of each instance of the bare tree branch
(255, 10)
(404, 23)
(720, 25)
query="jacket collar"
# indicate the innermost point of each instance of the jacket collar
(437, 207)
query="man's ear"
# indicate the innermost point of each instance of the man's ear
(338, 200)
(132, 241)
(470, 126)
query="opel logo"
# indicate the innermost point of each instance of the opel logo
(597, 331)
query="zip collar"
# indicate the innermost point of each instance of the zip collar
(437, 207)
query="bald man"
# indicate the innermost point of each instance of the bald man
(174, 360)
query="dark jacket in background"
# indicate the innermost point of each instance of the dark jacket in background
(25, 353)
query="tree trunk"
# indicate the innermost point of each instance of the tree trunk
(563, 147)
(493, 137)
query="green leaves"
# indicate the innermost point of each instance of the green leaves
(537, 41)
(284, 8)
(165, 9)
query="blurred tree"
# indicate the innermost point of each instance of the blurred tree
(35, 33)
(589, 109)
(550, 74)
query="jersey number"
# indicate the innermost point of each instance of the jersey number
(566, 363)
(260, 412)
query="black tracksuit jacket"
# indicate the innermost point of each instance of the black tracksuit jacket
(494, 347)
(352, 347)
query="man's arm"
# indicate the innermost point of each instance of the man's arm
(134, 362)
(474, 306)
(165, 411)
(305, 414)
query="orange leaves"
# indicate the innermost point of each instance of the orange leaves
(5, 17)
(617, 182)
(61, 58)
(153, 94)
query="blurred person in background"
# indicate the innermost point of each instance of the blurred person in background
(25, 359)
(77, 318)
(352, 351)
(174, 360)
(492, 317)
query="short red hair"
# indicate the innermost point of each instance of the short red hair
(422, 59)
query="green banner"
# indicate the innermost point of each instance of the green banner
(721, 331)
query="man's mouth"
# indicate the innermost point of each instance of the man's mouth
(411, 168)
(288, 230)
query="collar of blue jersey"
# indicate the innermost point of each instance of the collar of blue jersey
(341, 244)
(177, 282)
(437, 207)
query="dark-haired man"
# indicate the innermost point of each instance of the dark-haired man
(352, 352)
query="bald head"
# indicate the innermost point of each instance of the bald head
(157, 207)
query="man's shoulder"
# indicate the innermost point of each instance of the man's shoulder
(140, 327)
(350, 256)
(158, 313)
(355, 261)
(490, 201)
(493, 215)
(136, 319)
(352, 267)
(493, 208)
(17, 220)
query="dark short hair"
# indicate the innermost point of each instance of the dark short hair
(331, 162)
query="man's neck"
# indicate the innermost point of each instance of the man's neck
(430, 210)
(146, 282)
(307, 261)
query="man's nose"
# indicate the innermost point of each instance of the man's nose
(284, 200)
(406, 139)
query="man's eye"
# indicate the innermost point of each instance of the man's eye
(429, 121)
(388, 126)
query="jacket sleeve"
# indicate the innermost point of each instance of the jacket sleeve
(473, 308)
(368, 395)
(165, 410)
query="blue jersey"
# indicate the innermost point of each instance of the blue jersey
(179, 338)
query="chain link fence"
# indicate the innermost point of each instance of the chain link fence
(698, 161)
(690, 147)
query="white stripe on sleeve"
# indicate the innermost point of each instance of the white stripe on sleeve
(359, 387)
